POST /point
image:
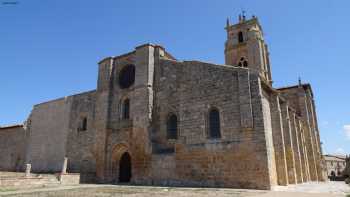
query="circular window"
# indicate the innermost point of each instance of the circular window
(127, 76)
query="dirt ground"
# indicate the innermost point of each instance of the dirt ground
(328, 189)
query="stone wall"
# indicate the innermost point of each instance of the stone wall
(300, 99)
(240, 158)
(48, 129)
(12, 148)
(115, 135)
(80, 143)
(54, 133)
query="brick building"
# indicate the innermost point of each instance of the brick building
(155, 120)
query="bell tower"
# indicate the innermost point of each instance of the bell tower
(245, 46)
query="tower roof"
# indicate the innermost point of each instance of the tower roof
(243, 22)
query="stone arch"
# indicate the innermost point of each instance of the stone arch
(125, 168)
(117, 153)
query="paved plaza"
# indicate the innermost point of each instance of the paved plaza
(328, 189)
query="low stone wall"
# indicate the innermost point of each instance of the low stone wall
(69, 179)
(26, 182)
(11, 174)
(15, 180)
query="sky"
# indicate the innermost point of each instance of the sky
(50, 49)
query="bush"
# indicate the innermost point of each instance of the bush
(347, 180)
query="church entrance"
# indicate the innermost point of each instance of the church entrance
(125, 168)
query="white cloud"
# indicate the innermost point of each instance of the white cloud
(346, 130)
(339, 151)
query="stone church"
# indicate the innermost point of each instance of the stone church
(155, 120)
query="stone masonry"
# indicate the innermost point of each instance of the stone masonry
(154, 120)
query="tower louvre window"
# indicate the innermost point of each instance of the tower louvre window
(240, 37)
(245, 64)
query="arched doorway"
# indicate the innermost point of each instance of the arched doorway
(125, 168)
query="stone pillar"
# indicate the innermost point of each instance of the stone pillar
(141, 109)
(64, 166)
(278, 141)
(294, 130)
(306, 158)
(315, 135)
(102, 110)
(298, 142)
(309, 137)
(28, 169)
(301, 149)
(288, 140)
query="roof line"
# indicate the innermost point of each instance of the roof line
(11, 126)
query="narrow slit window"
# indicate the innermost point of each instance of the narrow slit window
(83, 124)
(240, 37)
(172, 127)
(214, 124)
(126, 109)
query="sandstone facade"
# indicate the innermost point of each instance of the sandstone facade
(336, 165)
(156, 120)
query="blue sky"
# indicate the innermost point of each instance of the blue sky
(50, 49)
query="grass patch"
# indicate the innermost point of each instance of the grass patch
(7, 189)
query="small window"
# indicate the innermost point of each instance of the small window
(126, 109)
(172, 127)
(240, 37)
(214, 123)
(83, 124)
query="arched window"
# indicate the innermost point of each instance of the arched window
(243, 62)
(240, 37)
(172, 127)
(126, 109)
(214, 123)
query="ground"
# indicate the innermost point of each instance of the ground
(329, 189)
